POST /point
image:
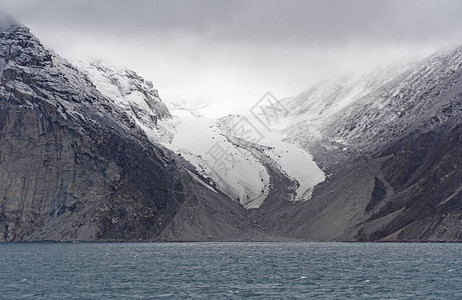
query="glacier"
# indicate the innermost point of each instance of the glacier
(243, 175)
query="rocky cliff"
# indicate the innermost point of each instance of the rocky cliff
(73, 166)
(394, 158)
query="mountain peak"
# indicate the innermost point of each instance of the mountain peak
(18, 44)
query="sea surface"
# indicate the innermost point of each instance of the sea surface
(230, 271)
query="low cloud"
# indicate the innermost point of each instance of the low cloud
(234, 51)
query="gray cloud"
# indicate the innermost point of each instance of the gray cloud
(210, 50)
(295, 21)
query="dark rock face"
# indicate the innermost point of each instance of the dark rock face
(378, 194)
(426, 178)
(64, 157)
(73, 167)
(400, 179)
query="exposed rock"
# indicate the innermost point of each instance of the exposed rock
(394, 155)
(75, 167)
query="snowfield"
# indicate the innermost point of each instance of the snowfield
(242, 171)
(235, 171)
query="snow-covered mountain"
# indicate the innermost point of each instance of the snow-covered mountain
(417, 100)
(320, 103)
(324, 105)
(233, 166)
(347, 123)
(393, 151)
(77, 163)
(130, 92)
(363, 114)
(91, 152)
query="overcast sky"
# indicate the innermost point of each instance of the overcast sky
(234, 51)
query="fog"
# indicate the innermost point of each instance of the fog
(231, 52)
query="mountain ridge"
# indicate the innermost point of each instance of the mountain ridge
(404, 141)
(76, 167)
(91, 153)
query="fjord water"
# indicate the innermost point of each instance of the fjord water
(230, 271)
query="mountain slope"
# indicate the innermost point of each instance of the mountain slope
(74, 166)
(395, 161)
(238, 169)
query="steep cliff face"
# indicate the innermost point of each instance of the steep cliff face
(73, 166)
(64, 155)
